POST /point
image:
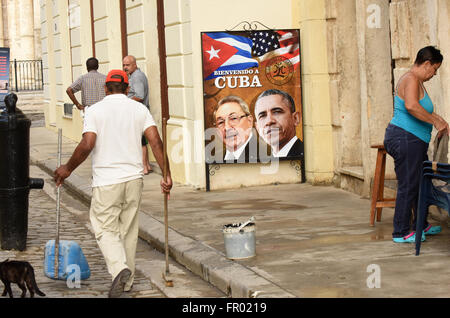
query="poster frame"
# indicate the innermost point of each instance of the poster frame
(211, 168)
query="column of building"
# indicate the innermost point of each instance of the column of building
(19, 27)
(2, 37)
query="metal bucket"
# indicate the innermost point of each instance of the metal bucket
(239, 244)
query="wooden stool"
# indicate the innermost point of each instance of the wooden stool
(378, 200)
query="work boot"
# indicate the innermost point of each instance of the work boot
(119, 283)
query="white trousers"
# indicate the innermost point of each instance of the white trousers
(114, 218)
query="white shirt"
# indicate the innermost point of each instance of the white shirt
(285, 150)
(119, 123)
(234, 155)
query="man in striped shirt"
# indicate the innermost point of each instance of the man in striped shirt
(91, 85)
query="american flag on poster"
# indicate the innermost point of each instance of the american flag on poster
(268, 44)
(225, 52)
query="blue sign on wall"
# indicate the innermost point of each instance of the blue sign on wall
(4, 74)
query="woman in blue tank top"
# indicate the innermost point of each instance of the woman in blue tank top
(407, 137)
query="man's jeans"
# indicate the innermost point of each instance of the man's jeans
(409, 153)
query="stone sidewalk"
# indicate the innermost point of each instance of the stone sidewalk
(75, 226)
(311, 241)
(41, 228)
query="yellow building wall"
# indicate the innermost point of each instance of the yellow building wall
(65, 44)
(185, 20)
(48, 64)
(142, 39)
(310, 17)
(66, 47)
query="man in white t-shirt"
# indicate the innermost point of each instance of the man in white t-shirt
(112, 131)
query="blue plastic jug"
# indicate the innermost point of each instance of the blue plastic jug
(71, 260)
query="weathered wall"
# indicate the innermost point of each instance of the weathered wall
(417, 24)
(370, 45)
(344, 87)
(375, 79)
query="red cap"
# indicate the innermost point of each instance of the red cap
(117, 76)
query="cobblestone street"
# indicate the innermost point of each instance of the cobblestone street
(42, 227)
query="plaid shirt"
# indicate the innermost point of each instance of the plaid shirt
(91, 86)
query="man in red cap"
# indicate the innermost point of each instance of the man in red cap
(112, 131)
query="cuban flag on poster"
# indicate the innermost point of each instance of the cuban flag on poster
(225, 52)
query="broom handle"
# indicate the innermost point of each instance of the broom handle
(166, 213)
(58, 195)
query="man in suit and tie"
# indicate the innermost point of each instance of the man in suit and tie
(276, 121)
(234, 123)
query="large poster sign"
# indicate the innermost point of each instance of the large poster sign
(4, 74)
(252, 96)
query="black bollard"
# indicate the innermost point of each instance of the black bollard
(15, 183)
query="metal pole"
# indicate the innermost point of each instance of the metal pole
(42, 75)
(33, 75)
(58, 207)
(21, 74)
(15, 74)
(166, 212)
(28, 76)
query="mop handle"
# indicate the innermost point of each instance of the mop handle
(166, 214)
(58, 194)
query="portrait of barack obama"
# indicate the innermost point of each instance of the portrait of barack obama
(276, 122)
